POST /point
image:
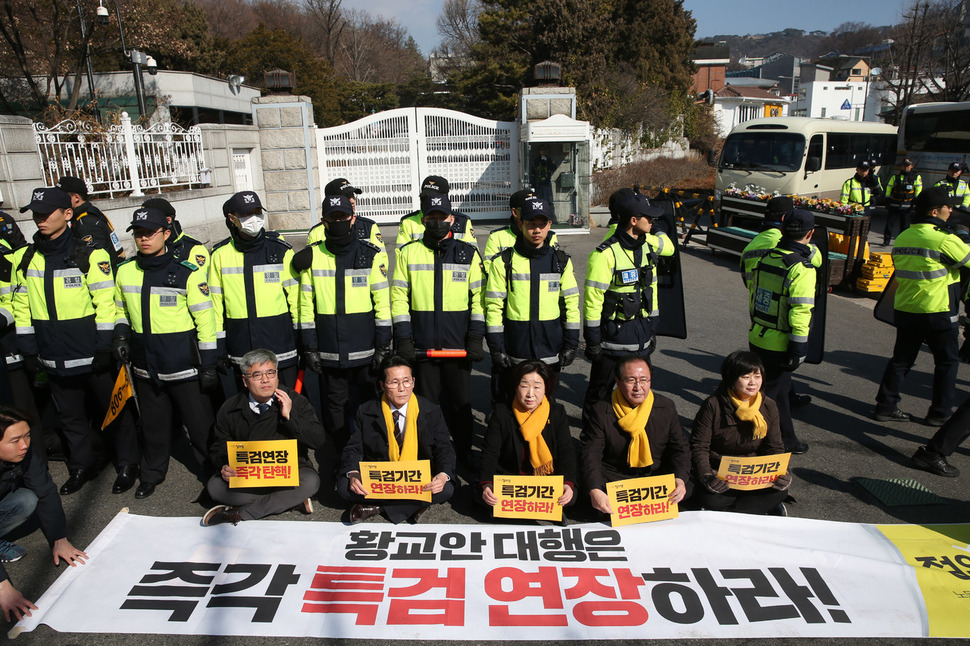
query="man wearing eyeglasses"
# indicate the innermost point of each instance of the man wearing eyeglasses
(265, 410)
(167, 333)
(635, 434)
(400, 426)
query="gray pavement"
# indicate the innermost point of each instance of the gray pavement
(845, 443)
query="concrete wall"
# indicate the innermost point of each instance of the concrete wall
(21, 170)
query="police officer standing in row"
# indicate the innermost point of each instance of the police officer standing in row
(856, 189)
(89, 223)
(436, 304)
(902, 189)
(621, 301)
(65, 314)
(345, 315)
(254, 288)
(365, 228)
(781, 299)
(954, 186)
(168, 334)
(411, 227)
(183, 246)
(927, 258)
(531, 299)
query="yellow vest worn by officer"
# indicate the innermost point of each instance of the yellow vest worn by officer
(411, 228)
(64, 304)
(532, 303)
(903, 187)
(11, 351)
(781, 299)
(168, 314)
(620, 296)
(957, 189)
(345, 303)
(927, 260)
(436, 293)
(855, 191)
(764, 242)
(255, 291)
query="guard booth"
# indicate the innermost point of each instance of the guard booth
(554, 148)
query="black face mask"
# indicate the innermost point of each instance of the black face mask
(338, 229)
(437, 229)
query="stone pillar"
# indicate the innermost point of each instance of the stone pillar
(288, 147)
(21, 168)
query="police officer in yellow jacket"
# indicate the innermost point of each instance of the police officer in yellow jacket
(345, 315)
(183, 246)
(620, 301)
(436, 304)
(775, 212)
(901, 189)
(781, 300)
(955, 187)
(501, 239)
(65, 312)
(856, 189)
(89, 223)
(411, 227)
(927, 258)
(167, 332)
(254, 288)
(531, 298)
(365, 228)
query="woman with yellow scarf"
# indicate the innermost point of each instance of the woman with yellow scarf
(737, 420)
(531, 437)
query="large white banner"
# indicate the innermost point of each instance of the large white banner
(704, 574)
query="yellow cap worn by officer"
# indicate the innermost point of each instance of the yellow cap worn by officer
(254, 288)
(167, 332)
(504, 238)
(365, 228)
(955, 186)
(65, 312)
(531, 299)
(411, 227)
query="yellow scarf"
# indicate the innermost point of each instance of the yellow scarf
(531, 424)
(634, 421)
(750, 411)
(410, 451)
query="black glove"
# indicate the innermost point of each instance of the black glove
(381, 352)
(121, 349)
(32, 364)
(566, 357)
(782, 482)
(313, 361)
(224, 365)
(714, 484)
(208, 379)
(791, 362)
(103, 361)
(405, 348)
(501, 361)
(474, 348)
(594, 351)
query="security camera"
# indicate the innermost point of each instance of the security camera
(102, 13)
(152, 66)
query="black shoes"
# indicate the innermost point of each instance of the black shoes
(221, 514)
(360, 513)
(933, 420)
(797, 401)
(934, 463)
(416, 516)
(76, 480)
(894, 415)
(798, 449)
(144, 490)
(126, 478)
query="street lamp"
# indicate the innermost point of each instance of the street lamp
(137, 58)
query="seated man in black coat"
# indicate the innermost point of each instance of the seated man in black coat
(264, 411)
(636, 434)
(420, 434)
(26, 489)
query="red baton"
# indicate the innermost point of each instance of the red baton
(443, 354)
(298, 387)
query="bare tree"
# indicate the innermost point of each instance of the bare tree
(457, 25)
(329, 24)
(376, 50)
(229, 19)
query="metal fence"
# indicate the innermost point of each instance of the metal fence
(124, 158)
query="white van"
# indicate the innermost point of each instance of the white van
(800, 155)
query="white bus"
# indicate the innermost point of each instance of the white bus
(801, 155)
(934, 135)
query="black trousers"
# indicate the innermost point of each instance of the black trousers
(342, 391)
(70, 394)
(446, 382)
(896, 214)
(953, 433)
(776, 385)
(156, 402)
(759, 501)
(258, 502)
(945, 346)
(395, 510)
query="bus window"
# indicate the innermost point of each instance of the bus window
(774, 151)
(938, 132)
(815, 147)
(848, 151)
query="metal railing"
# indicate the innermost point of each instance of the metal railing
(124, 158)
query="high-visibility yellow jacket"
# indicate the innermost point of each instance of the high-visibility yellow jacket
(782, 298)
(855, 191)
(927, 260)
(365, 228)
(501, 239)
(903, 188)
(759, 247)
(411, 229)
(957, 188)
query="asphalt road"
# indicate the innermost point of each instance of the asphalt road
(845, 443)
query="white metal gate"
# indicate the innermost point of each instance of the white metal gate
(388, 154)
